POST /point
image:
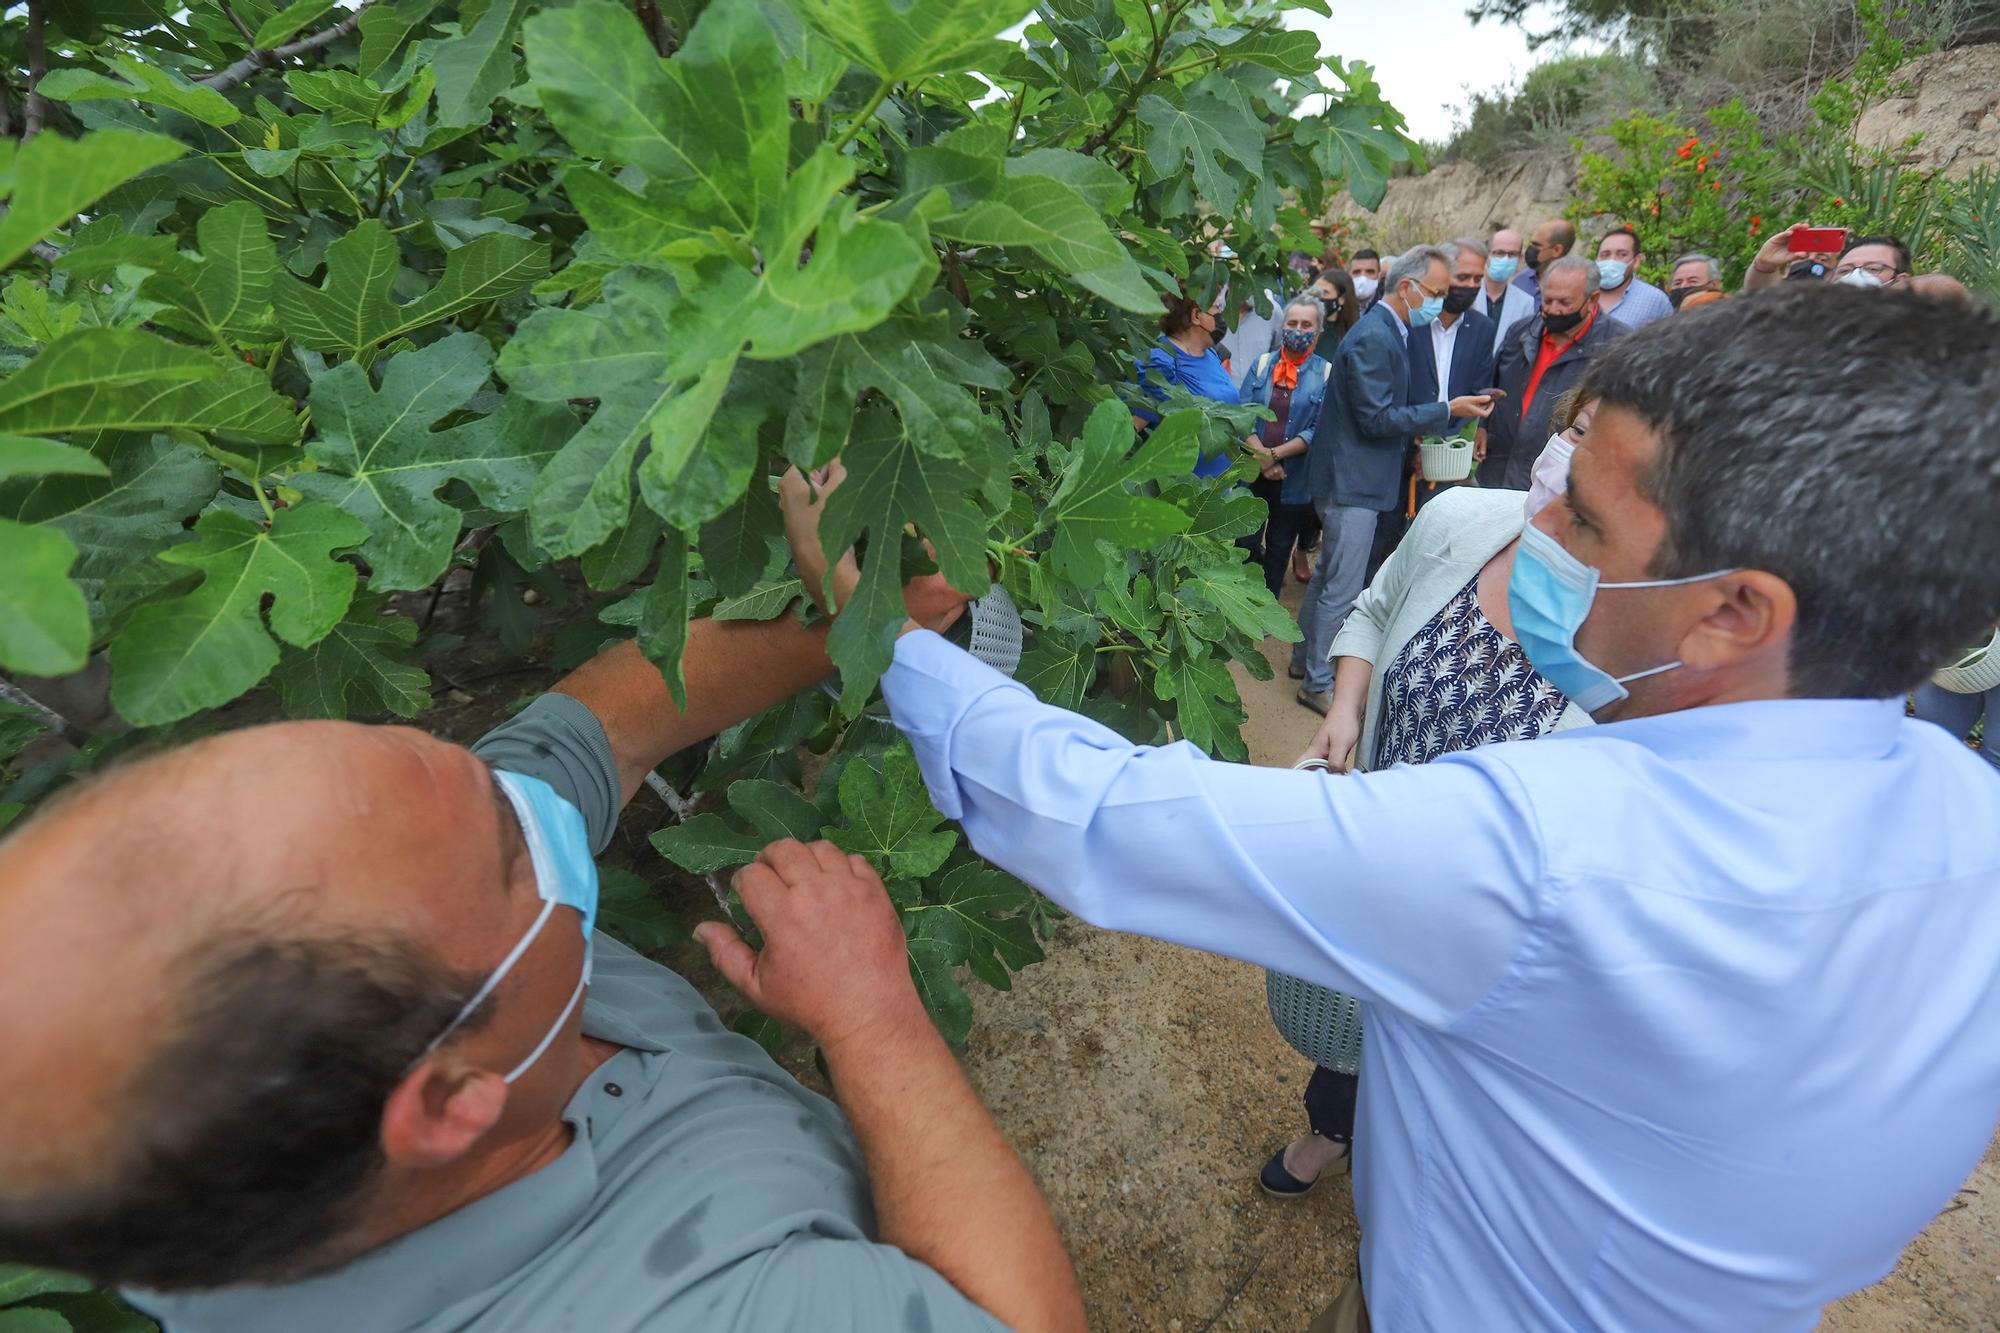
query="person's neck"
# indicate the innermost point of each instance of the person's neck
(1396, 303)
(1609, 297)
(1495, 290)
(1194, 342)
(426, 1196)
(1446, 319)
(1656, 696)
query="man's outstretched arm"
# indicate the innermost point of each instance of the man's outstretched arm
(735, 669)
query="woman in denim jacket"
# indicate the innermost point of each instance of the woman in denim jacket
(1291, 382)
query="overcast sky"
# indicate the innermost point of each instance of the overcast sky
(1427, 54)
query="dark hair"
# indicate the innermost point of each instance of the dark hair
(1344, 318)
(1365, 253)
(1638, 248)
(252, 1134)
(1772, 457)
(1894, 243)
(1178, 317)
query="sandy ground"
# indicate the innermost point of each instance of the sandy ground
(1145, 1086)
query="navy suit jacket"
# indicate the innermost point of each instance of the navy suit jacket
(1367, 421)
(1471, 366)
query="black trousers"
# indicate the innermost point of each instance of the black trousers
(1272, 546)
(1330, 1098)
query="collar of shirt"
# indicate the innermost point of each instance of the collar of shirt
(1779, 729)
(1402, 325)
(411, 1279)
(1562, 344)
(1443, 339)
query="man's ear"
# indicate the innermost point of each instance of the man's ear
(436, 1115)
(1753, 618)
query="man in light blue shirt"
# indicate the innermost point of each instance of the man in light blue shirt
(1685, 1021)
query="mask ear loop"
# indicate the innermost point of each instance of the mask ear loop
(493, 980)
(550, 1035)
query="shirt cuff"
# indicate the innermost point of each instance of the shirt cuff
(931, 686)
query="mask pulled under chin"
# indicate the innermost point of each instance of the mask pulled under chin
(565, 876)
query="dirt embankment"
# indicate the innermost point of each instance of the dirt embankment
(1949, 102)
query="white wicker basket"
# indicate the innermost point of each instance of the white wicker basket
(1322, 1025)
(1975, 673)
(1446, 458)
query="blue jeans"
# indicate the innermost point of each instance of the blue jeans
(1337, 580)
(1957, 713)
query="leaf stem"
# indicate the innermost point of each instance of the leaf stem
(861, 118)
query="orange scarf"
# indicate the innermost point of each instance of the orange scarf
(1286, 376)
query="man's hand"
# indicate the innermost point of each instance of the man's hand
(931, 602)
(1774, 256)
(1336, 738)
(1472, 405)
(833, 961)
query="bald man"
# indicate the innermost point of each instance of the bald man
(1550, 242)
(307, 1029)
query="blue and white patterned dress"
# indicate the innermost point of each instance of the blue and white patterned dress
(1457, 683)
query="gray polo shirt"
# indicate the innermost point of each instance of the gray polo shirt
(704, 1189)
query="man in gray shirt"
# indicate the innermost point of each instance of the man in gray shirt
(296, 1045)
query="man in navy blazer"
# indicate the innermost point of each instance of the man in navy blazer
(1465, 337)
(1356, 460)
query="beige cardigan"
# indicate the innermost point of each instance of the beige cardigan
(1451, 540)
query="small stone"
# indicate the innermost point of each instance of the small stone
(531, 598)
(459, 697)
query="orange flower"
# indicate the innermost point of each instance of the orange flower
(1655, 210)
(1701, 165)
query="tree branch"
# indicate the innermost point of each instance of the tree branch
(266, 58)
(658, 30)
(36, 113)
(229, 12)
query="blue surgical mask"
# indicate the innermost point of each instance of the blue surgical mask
(1502, 268)
(1549, 596)
(1299, 340)
(1421, 315)
(1611, 272)
(565, 876)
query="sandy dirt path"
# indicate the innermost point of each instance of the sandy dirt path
(1145, 1086)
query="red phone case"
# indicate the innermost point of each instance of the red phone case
(1817, 240)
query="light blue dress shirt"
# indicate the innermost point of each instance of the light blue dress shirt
(1687, 1022)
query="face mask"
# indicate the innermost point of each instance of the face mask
(1501, 269)
(1611, 273)
(1421, 315)
(1560, 324)
(1862, 278)
(1365, 288)
(1299, 341)
(1678, 295)
(1549, 596)
(1458, 300)
(1532, 257)
(565, 876)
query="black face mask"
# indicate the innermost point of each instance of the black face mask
(1562, 323)
(1458, 300)
(1532, 256)
(1678, 295)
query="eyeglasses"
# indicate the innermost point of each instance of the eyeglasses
(1498, 253)
(1874, 267)
(1436, 296)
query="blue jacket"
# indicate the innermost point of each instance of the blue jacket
(1471, 359)
(1202, 376)
(1302, 420)
(1367, 421)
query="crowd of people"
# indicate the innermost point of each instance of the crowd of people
(1642, 941)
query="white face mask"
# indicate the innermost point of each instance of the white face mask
(1861, 277)
(1365, 288)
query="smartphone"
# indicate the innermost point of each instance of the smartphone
(1817, 240)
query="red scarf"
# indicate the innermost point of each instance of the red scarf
(1286, 376)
